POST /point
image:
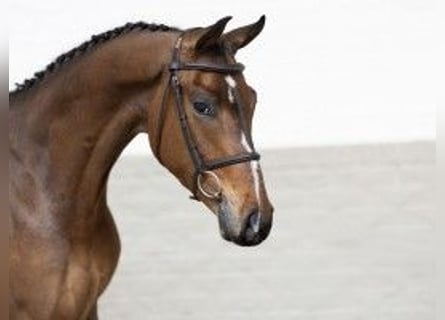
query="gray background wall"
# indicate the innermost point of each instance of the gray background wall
(352, 239)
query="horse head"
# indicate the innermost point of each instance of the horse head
(203, 135)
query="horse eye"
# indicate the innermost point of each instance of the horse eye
(203, 108)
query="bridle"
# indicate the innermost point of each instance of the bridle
(202, 168)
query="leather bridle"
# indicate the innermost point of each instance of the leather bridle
(202, 168)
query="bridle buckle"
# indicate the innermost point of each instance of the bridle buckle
(175, 79)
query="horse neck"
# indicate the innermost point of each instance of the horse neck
(79, 122)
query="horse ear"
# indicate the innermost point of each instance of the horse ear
(241, 37)
(208, 37)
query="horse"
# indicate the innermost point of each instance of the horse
(68, 125)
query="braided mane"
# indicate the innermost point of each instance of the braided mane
(94, 41)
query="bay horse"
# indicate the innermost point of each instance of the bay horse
(69, 124)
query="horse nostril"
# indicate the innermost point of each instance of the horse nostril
(254, 221)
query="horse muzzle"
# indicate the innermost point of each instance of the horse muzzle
(245, 229)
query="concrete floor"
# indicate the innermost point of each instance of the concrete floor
(352, 239)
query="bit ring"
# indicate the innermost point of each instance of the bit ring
(206, 193)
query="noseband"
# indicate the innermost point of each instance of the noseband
(202, 168)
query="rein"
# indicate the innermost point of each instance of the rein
(202, 168)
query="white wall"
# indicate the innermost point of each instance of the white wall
(327, 72)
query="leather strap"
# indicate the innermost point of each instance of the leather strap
(207, 67)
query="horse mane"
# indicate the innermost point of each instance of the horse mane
(87, 46)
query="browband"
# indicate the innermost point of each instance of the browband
(209, 67)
